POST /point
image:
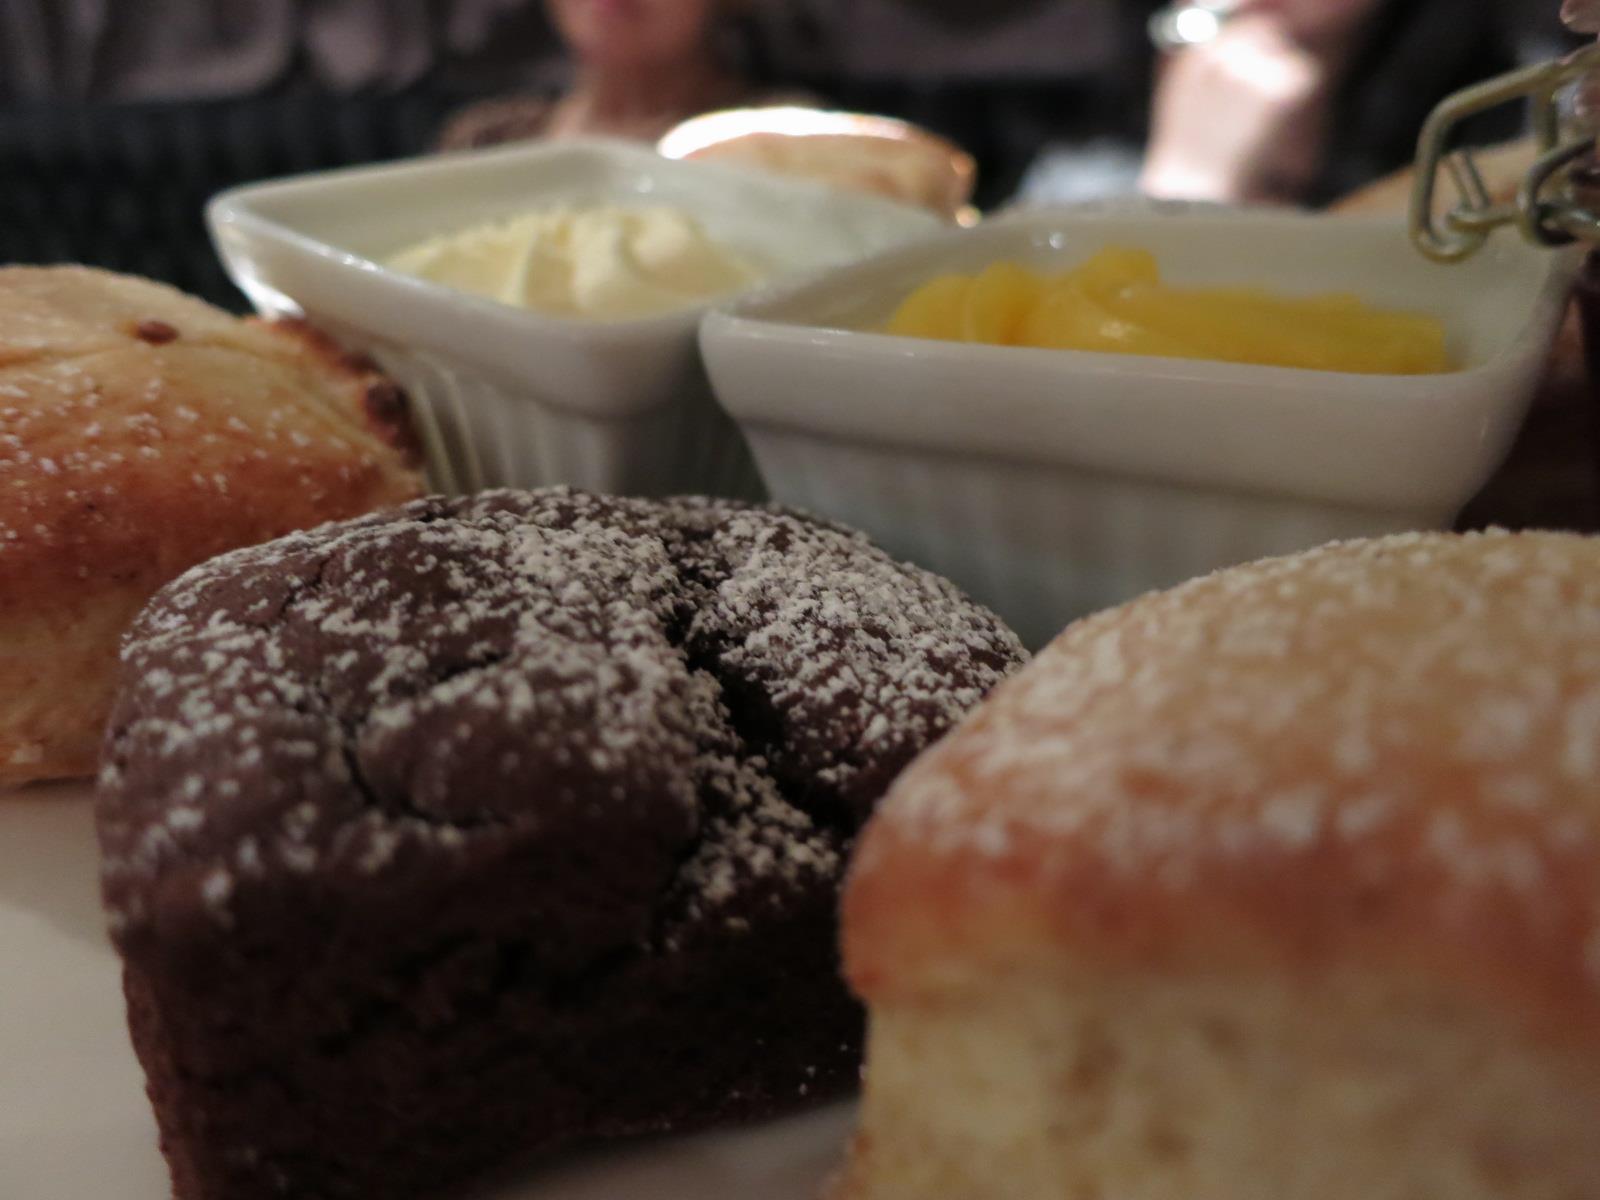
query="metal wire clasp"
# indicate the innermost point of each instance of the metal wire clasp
(1545, 209)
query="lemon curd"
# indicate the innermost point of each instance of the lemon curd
(1116, 302)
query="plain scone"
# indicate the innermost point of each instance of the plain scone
(1283, 885)
(141, 432)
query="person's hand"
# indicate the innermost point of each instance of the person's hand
(1317, 25)
(1581, 16)
(1243, 117)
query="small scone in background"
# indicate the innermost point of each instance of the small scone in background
(1283, 885)
(143, 431)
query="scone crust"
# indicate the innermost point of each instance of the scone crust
(1383, 754)
(142, 431)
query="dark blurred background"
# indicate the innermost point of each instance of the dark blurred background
(119, 119)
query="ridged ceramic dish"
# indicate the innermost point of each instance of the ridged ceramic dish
(504, 396)
(1053, 483)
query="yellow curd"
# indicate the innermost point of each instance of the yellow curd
(603, 263)
(1117, 302)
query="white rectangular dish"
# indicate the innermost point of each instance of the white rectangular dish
(504, 396)
(1052, 483)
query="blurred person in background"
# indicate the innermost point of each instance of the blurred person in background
(638, 67)
(119, 120)
(1245, 114)
(1302, 101)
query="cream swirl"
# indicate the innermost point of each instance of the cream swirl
(603, 263)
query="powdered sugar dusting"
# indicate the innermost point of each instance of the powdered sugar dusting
(707, 691)
(1425, 707)
(101, 428)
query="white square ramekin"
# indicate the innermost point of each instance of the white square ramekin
(1053, 483)
(503, 396)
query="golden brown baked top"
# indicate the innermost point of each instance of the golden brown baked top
(1384, 751)
(142, 430)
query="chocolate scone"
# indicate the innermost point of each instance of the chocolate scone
(464, 831)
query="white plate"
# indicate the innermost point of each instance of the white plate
(74, 1123)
